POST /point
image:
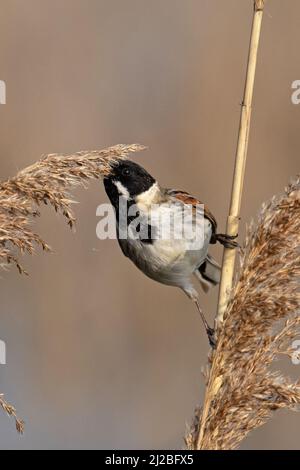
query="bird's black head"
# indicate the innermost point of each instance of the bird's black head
(127, 179)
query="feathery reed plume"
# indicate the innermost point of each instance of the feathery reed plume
(47, 181)
(11, 411)
(261, 322)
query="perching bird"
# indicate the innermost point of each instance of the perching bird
(172, 260)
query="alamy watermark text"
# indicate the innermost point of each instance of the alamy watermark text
(2, 353)
(2, 92)
(296, 93)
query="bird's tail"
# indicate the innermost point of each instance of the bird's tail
(209, 273)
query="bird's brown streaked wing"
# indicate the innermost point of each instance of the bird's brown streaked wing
(187, 198)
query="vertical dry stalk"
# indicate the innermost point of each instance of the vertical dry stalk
(240, 162)
(234, 213)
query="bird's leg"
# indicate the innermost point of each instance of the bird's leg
(209, 331)
(226, 240)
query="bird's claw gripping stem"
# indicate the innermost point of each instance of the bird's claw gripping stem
(228, 241)
(211, 337)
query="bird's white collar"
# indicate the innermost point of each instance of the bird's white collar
(149, 197)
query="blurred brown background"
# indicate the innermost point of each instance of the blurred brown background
(99, 356)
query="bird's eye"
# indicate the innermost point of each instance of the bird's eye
(126, 172)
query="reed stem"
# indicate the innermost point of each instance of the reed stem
(215, 382)
(240, 162)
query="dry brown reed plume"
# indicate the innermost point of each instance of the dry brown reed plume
(11, 411)
(46, 182)
(261, 322)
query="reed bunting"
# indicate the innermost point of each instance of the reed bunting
(149, 212)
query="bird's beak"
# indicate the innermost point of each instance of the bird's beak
(108, 168)
(117, 154)
(109, 158)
